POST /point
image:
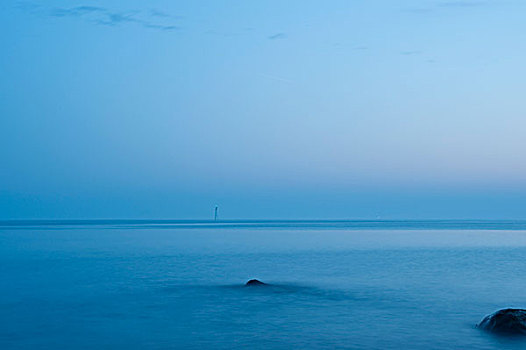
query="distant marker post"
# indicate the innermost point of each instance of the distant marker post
(215, 213)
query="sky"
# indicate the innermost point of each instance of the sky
(351, 109)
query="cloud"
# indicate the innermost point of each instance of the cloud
(76, 11)
(278, 36)
(28, 6)
(461, 4)
(419, 10)
(410, 53)
(153, 19)
(274, 77)
(157, 13)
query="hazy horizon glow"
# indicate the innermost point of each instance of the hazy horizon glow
(346, 109)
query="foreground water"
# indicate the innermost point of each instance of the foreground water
(159, 285)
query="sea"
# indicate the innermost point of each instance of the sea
(164, 284)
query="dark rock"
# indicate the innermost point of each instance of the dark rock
(507, 321)
(253, 283)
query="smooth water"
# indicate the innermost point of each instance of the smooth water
(162, 285)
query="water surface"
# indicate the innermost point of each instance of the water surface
(342, 284)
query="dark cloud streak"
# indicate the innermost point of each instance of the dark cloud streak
(103, 16)
(278, 36)
(76, 11)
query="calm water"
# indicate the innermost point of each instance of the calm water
(160, 285)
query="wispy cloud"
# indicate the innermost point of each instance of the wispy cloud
(76, 11)
(278, 36)
(459, 4)
(411, 53)
(276, 78)
(157, 13)
(28, 6)
(154, 19)
(419, 10)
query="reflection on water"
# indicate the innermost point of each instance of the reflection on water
(329, 288)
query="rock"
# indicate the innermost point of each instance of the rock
(253, 283)
(509, 321)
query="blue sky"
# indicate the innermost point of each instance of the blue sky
(270, 109)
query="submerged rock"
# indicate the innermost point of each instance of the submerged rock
(252, 283)
(508, 321)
